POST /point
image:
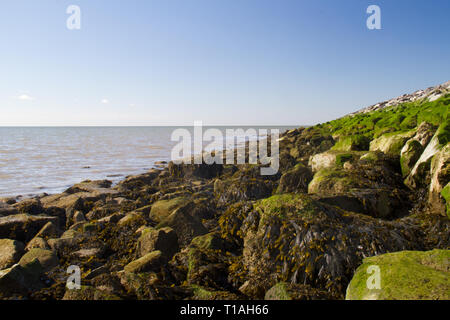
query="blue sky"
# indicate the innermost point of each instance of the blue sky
(224, 62)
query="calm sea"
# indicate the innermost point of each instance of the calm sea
(35, 160)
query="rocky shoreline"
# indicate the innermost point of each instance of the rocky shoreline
(372, 185)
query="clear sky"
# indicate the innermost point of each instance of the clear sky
(224, 62)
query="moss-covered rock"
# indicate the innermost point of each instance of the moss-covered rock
(352, 143)
(391, 143)
(163, 208)
(47, 258)
(404, 275)
(297, 239)
(446, 195)
(335, 180)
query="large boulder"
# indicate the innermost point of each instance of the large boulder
(47, 258)
(367, 182)
(7, 210)
(100, 186)
(352, 143)
(164, 240)
(163, 208)
(21, 279)
(391, 143)
(205, 171)
(296, 239)
(332, 158)
(420, 173)
(138, 181)
(409, 155)
(405, 275)
(185, 225)
(30, 206)
(424, 133)
(10, 252)
(150, 262)
(354, 190)
(295, 180)
(242, 189)
(23, 227)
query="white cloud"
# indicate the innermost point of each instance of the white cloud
(25, 97)
(105, 101)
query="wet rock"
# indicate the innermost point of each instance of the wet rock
(203, 170)
(163, 208)
(7, 210)
(150, 262)
(90, 186)
(114, 218)
(370, 187)
(10, 252)
(47, 258)
(288, 291)
(295, 180)
(37, 242)
(68, 201)
(185, 226)
(138, 181)
(212, 241)
(88, 293)
(30, 206)
(298, 240)
(132, 219)
(203, 267)
(21, 279)
(78, 217)
(404, 275)
(49, 230)
(242, 189)
(23, 227)
(164, 240)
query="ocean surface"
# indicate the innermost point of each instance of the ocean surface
(35, 160)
